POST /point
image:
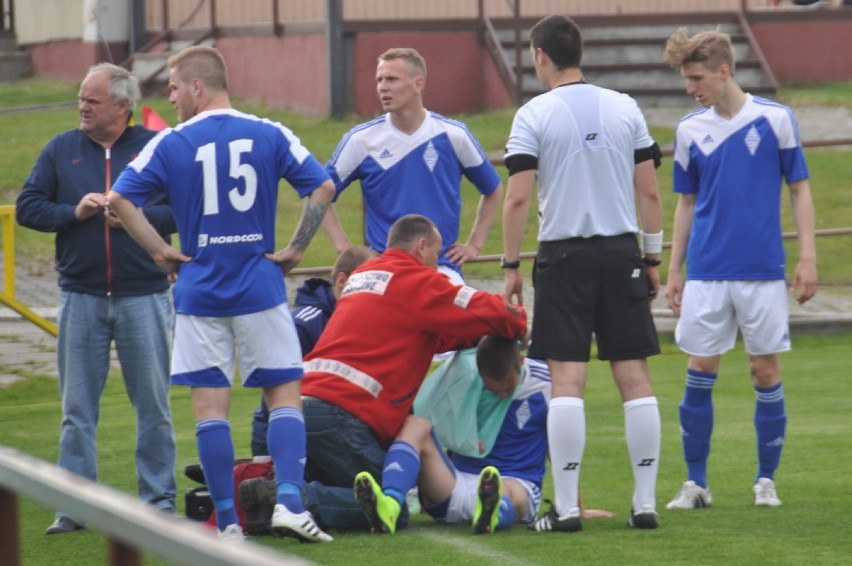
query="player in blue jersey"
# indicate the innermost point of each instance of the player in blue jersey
(410, 160)
(488, 409)
(499, 421)
(220, 169)
(729, 161)
(314, 303)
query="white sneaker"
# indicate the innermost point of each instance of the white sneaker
(765, 494)
(690, 496)
(301, 525)
(232, 534)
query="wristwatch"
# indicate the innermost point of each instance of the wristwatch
(651, 262)
(509, 264)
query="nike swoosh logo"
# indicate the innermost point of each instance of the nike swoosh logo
(76, 160)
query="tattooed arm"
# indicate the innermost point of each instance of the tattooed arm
(315, 207)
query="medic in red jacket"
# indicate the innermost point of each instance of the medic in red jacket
(393, 315)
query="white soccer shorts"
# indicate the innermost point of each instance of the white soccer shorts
(453, 275)
(713, 311)
(265, 342)
(463, 500)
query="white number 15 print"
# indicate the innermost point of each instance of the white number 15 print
(242, 202)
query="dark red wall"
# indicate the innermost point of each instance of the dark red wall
(292, 71)
(460, 74)
(69, 60)
(808, 47)
(289, 71)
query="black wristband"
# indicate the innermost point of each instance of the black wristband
(509, 264)
(651, 262)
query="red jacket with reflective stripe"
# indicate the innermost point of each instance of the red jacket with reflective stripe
(393, 315)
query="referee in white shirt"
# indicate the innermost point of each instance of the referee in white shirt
(594, 159)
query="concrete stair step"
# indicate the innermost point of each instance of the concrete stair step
(146, 65)
(150, 66)
(634, 33)
(624, 52)
(7, 42)
(14, 65)
(628, 80)
(628, 57)
(14, 62)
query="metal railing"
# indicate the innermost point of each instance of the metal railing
(668, 245)
(133, 528)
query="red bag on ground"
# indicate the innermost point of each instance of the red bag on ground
(245, 470)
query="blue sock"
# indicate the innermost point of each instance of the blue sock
(770, 423)
(505, 513)
(699, 388)
(286, 441)
(216, 452)
(399, 474)
(696, 421)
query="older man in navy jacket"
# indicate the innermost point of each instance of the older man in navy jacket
(110, 288)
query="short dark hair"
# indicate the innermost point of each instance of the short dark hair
(405, 232)
(560, 38)
(350, 259)
(497, 356)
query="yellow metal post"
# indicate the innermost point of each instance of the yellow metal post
(7, 219)
(7, 293)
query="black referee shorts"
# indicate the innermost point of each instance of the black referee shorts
(592, 285)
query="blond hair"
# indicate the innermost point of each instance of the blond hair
(203, 63)
(409, 55)
(711, 48)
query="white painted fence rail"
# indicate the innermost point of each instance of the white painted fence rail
(131, 526)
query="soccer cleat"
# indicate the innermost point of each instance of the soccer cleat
(551, 521)
(299, 525)
(381, 510)
(765, 494)
(646, 518)
(489, 490)
(232, 534)
(63, 525)
(257, 498)
(690, 496)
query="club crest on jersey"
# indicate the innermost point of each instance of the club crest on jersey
(523, 414)
(430, 156)
(375, 282)
(752, 140)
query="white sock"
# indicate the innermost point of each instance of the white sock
(642, 430)
(566, 437)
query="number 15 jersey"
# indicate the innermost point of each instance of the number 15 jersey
(220, 170)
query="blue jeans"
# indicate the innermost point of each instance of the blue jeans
(141, 329)
(259, 428)
(339, 447)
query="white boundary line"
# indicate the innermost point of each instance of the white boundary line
(471, 545)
